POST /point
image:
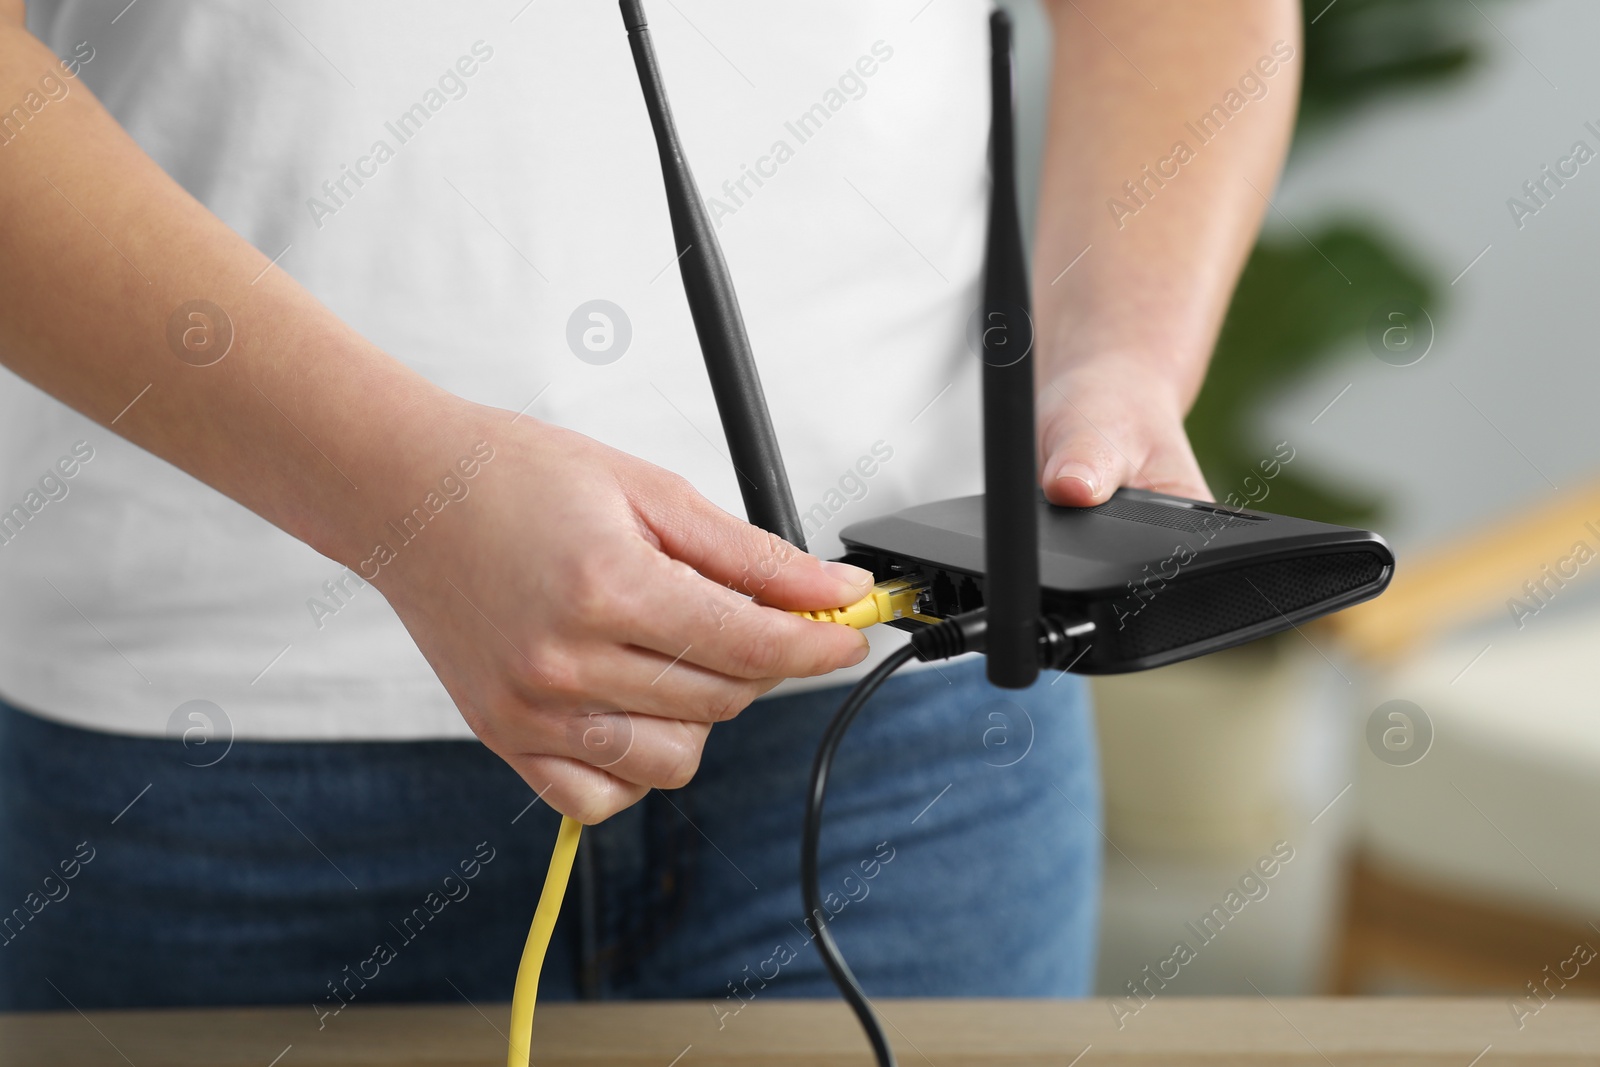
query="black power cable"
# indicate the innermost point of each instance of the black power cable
(1059, 642)
(810, 881)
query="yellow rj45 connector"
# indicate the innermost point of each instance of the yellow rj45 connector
(895, 598)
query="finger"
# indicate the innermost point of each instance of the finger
(747, 558)
(574, 788)
(1075, 473)
(681, 614)
(650, 683)
(633, 594)
(641, 749)
(1082, 466)
(674, 688)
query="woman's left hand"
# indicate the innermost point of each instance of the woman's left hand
(1108, 421)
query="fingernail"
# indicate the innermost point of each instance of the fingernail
(1081, 473)
(849, 575)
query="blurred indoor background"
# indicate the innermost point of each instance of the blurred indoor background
(1432, 758)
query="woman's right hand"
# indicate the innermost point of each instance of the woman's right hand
(592, 615)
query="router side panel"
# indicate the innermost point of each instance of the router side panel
(1166, 622)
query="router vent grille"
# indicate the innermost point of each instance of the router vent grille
(1187, 612)
(1173, 517)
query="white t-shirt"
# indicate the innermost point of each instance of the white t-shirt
(840, 145)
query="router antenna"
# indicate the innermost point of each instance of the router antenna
(768, 500)
(1011, 531)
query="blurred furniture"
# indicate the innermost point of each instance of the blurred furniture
(1466, 578)
(1397, 927)
(1170, 1032)
(1192, 753)
(1476, 868)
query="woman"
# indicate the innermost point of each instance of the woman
(367, 509)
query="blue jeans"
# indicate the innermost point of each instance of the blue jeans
(961, 857)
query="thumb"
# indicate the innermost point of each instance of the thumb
(1081, 468)
(746, 558)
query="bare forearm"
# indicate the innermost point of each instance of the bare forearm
(99, 248)
(580, 584)
(1134, 98)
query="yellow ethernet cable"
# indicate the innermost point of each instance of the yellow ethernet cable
(895, 598)
(892, 599)
(544, 924)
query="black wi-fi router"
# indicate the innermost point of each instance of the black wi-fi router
(1161, 578)
(1143, 580)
